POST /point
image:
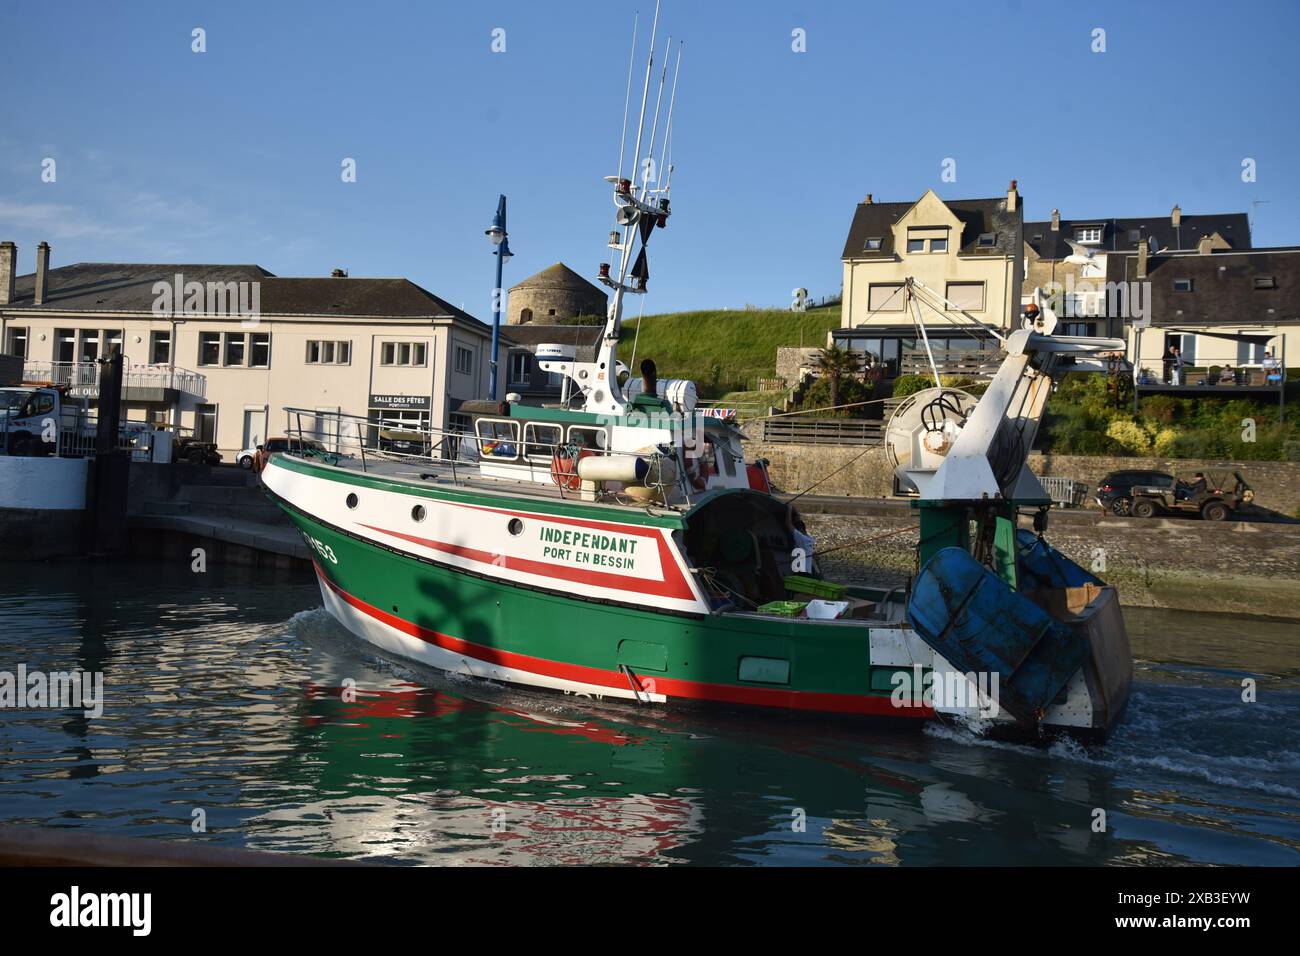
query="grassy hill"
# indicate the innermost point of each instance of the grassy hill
(726, 350)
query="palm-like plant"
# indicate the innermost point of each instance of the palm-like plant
(836, 363)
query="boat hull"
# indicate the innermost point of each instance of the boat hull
(471, 624)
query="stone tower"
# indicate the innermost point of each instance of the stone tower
(554, 296)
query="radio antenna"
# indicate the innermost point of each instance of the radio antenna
(627, 97)
(645, 93)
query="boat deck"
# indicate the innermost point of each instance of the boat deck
(465, 474)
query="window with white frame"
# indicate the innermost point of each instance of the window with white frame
(16, 341)
(938, 245)
(968, 296)
(327, 352)
(160, 348)
(464, 360)
(402, 353)
(915, 246)
(886, 297)
(1087, 234)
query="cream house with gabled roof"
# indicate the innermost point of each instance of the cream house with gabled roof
(968, 251)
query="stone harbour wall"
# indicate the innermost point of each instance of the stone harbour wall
(865, 473)
(1235, 567)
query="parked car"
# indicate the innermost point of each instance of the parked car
(1224, 492)
(1115, 491)
(274, 445)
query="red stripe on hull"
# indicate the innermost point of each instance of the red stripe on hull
(674, 584)
(872, 705)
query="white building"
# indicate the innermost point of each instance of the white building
(222, 349)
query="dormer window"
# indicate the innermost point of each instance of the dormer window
(1265, 282)
(1182, 285)
(872, 244)
(1087, 234)
(938, 245)
(988, 239)
(915, 245)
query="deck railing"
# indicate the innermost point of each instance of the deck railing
(332, 435)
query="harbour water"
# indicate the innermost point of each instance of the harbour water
(228, 703)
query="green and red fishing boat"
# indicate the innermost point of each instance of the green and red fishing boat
(618, 544)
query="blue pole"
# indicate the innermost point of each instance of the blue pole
(500, 240)
(496, 326)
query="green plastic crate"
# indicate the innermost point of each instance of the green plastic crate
(783, 608)
(822, 589)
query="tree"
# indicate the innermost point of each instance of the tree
(835, 363)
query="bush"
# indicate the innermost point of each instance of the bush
(818, 395)
(1130, 436)
(906, 385)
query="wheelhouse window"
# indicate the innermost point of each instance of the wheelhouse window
(585, 436)
(498, 440)
(540, 440)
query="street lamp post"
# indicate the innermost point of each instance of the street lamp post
(501, 249)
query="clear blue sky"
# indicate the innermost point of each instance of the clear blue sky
(233, 155)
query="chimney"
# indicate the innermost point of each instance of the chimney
(1205, 245)
(1176, 217)
(867, 201)
(1056, 220)
(8, 270)
(1013, 197)
(339, 274)
(42, 272)
(1144, 252)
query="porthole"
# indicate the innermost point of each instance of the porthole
(352, 501)
(417, 513)
(516, 526)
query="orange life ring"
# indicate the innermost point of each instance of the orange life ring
(564, 470)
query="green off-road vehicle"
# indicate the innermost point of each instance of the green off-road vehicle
(1215, 496)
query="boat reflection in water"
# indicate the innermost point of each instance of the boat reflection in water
(474, 773)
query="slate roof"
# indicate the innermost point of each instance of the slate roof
(1223, 286)
(128, 287)
(978, 216)
(1122, 235)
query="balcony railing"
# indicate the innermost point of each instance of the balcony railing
(1152, 373)
(975, 363)
(86, 375)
